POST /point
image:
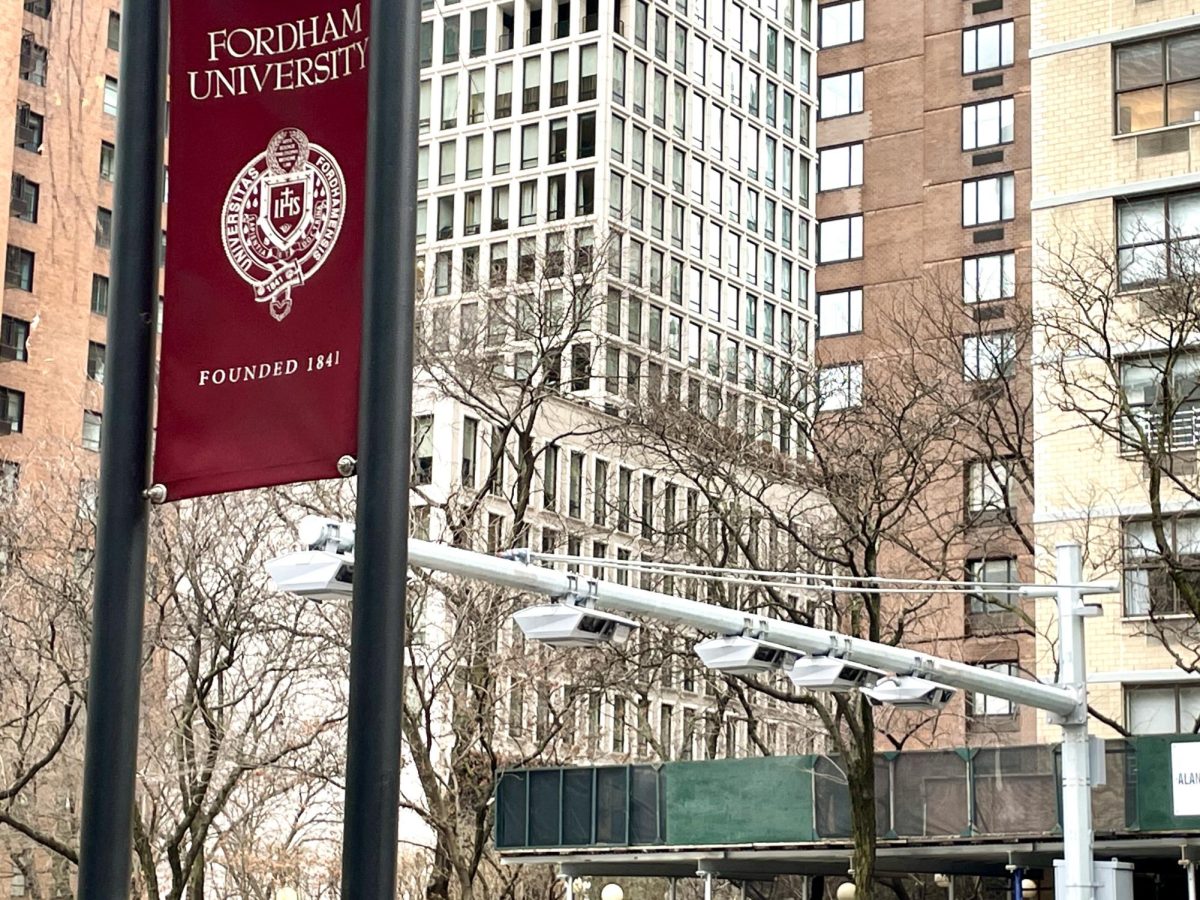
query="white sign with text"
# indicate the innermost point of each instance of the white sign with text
(1185, 779)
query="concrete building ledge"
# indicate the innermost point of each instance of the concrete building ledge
(1121, 35)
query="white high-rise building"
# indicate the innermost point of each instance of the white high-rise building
(676, 136)
(670, 143)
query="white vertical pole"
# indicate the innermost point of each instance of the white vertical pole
(671, 889)
(1076, 760)
(950, 889)
(1191, 880)
(570, 892)
(708, 886)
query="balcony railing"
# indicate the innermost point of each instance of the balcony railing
(1183, 432)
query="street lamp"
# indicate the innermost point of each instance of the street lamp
(286, 893)
(612, 892)
(847, 891)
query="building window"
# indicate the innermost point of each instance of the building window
(587, 73)
(18, 268)
(103, 227)
(581, 367)
(618, 725)
(839, 387)
(516, 708)
(842, 94)
(29, 129)
(470, 451)
(559, 85)
(12, 411)
(100, 295)
(612, 370)
(95, 362)
(981, 705)
(988, 356)
(33, 61)
(1149, 384)
(114, 30)
(647, 506)
(1162, 708)
(624, 498)
(550, 477)
(23, 203)
(987, 200)
(665, 736)
(1149, 588)
(14, 333)
(841, 23)
(91, 430)
(600, 494)
(450, 26)
(991, 277)
(987, 124)
(1155, 238)
(987, 47)
(110, 95)
(575, 486)
(839, 312)
(840, 167)
(997, 600)
(422, 450)
(1158, 82)
(989, 486)
(108, 160)
(531, 84)
(840, 239)
(40, 8)
(502, 104)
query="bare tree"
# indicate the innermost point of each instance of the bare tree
(874, 489)
(1120, 359)
(242, 705)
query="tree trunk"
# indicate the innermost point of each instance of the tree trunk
(438, 887)
(860, 778)
(195, 887)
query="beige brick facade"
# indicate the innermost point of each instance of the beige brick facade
(1081, 168)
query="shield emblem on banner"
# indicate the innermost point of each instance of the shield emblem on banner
(285, 208)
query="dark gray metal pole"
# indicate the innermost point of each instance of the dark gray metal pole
(114, 681)
(385, 413)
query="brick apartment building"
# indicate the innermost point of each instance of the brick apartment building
(923, 190)
(61, 100)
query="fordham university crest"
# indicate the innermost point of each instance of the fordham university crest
(282, 217)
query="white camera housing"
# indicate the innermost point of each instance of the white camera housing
(317, 574)
(567, 625)
(320, 533)
(828, 673)
(910, 692)
(737, 654)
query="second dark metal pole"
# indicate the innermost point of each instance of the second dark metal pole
(115, 666)
(385, 411)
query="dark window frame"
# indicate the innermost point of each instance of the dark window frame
(1163, 41)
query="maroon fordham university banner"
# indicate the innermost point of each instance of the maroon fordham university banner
(258, 379)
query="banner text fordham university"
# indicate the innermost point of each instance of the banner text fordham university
(337, 37)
